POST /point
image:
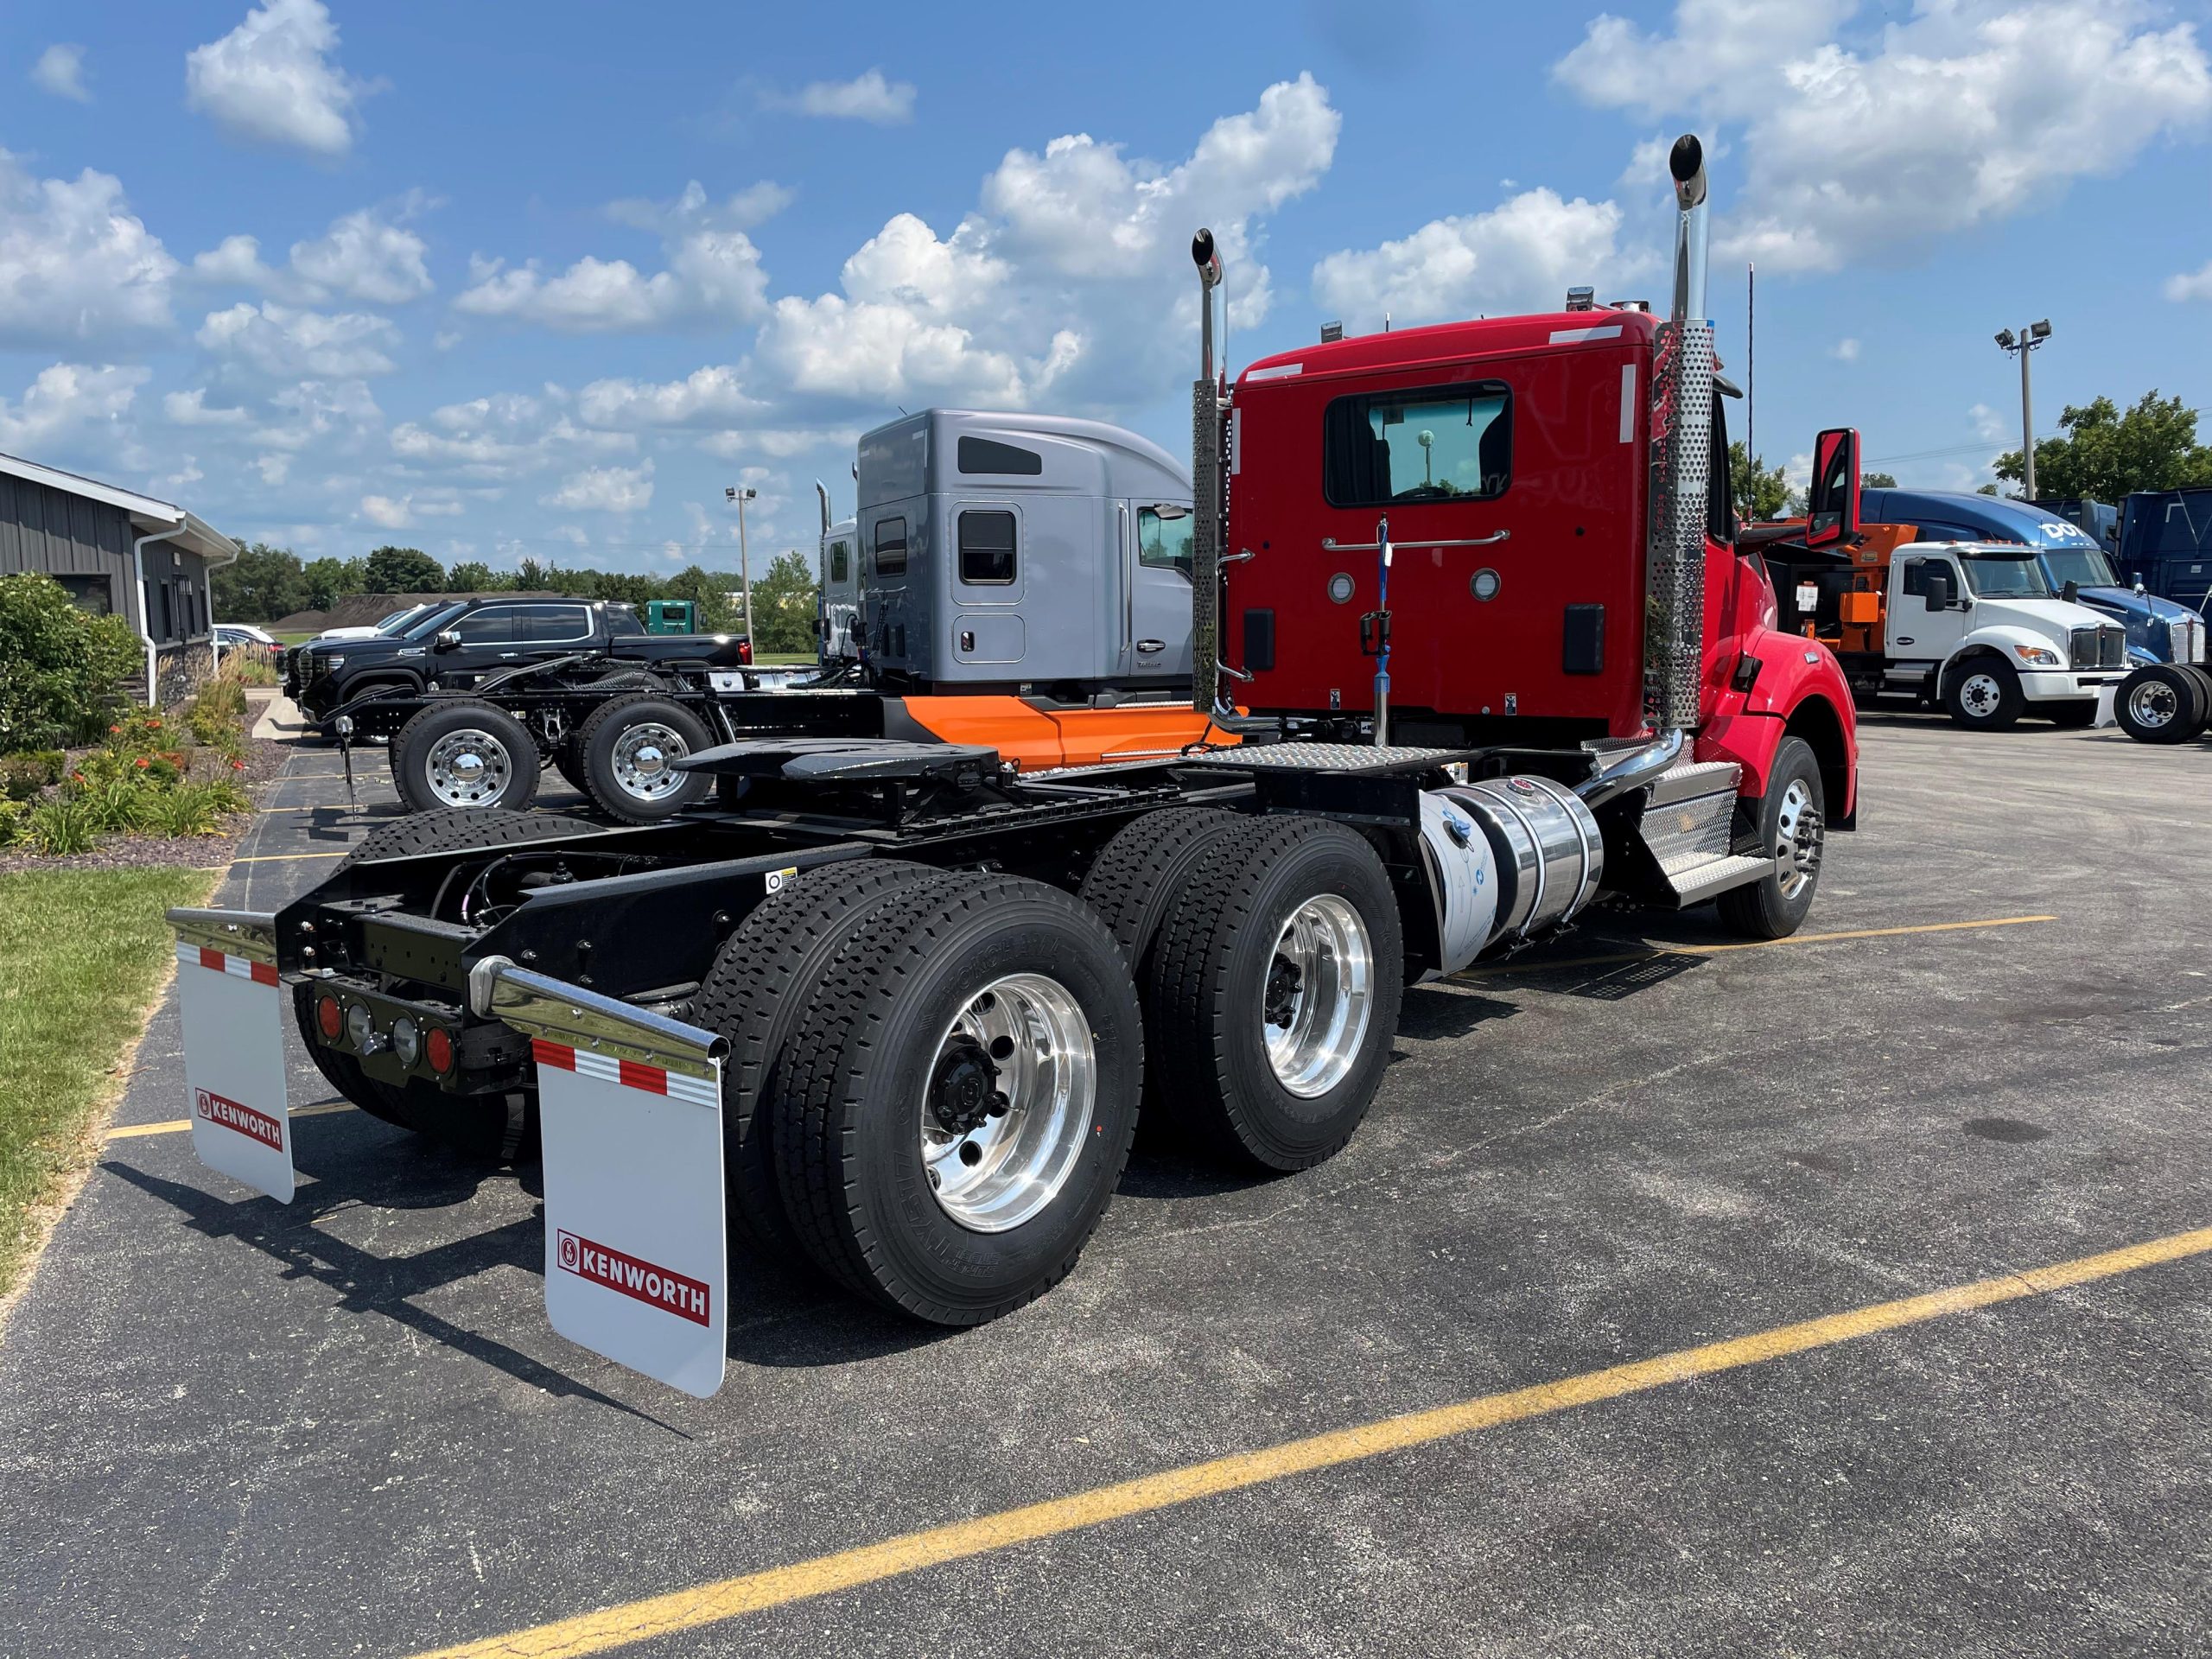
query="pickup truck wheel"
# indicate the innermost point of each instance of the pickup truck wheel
(627, 746)
(460, 829)
(755, 995)
(1277, 989)
(958, 1105)
(2161, 702)
(464, 753)
(1793, 831)
(1983, 693)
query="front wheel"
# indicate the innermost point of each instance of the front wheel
(1793, 834)
(2161, 702)
(1983, 693)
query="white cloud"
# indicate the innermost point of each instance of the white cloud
(1521, 255)
(385, 513)
(363, 256)
(866, 97)
(273, 80)
(713, 275)
(65, 399)
(1845, 350)
(61, 70)
(286, 344)
(2190, 285)
(606, 489)
(1967, 113)
(75, 262)
(1076, 245)
(341, 413)
(1988, 424)
(707, 397)
(502, 436)
(190, 409)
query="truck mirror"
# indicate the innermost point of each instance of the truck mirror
(1939, 590)
(1831, 504)
(2071, 593)
(448, 639)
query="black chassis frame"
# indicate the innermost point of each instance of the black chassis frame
(639, 913)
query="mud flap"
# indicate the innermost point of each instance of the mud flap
(630, 1115)
(232, 1007)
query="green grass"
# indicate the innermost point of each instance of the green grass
(81, 955)
(292, 638)
(783, 658)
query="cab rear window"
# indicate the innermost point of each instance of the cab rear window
(1432, 443)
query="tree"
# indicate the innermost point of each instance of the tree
(1877, 481)
(2107, 455)
(330, 580)
(263, 583)
(60, 668)
(403, 570)
(783, 605)
(469, 578)
(530, 577)
(1760, 492)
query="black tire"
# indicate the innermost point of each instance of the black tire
(848, 1108)
(1983, 695)
(506, 743)
(755, 995)
(2071, 716)
(2162, 702)
(596, 743)
(571, 765)
(1767, 909)
(460, 829)
(1217, 970)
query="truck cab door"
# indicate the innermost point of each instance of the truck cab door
(1156, 589)
(1920, 641)
(480, 642)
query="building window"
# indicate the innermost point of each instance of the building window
(93, 593)
(1436, 443)
(987, 549)
(1164, 537)
(990, 458)
(891, 547)
(164, 632)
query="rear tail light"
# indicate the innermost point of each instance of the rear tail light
(329, 1019)
(439, 1046)
(745, 652)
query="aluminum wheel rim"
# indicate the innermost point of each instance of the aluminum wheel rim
(468, 768)
(1798, 836)
(2153, 704)
(1319, 996)
(642, 761)
(1008, 1102)
(1979, 695)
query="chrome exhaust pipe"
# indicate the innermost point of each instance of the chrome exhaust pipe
(1632, 769)
(1208, 499)
(1680, 462)
(822, 493)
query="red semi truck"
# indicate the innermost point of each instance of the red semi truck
(892, 1007)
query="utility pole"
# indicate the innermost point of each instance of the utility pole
(744, 566)
(2031, 336)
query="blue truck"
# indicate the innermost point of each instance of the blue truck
(2160, 628)
(2165, 542)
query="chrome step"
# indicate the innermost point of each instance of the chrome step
(1693, 883)
(1691, 817)
(1695, 778)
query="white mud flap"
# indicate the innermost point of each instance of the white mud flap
(234, 1011)
(2107, 696)
(630, 1111)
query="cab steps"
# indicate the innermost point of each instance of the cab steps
(1688, 825)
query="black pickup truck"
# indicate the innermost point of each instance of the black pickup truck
(452, 648)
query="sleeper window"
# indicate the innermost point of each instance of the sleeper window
(1434, 443)
(987, 548)
(891, 547)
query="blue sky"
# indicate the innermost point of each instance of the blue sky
(507, 281)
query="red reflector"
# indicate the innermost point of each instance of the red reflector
(439, 1046)
(328, 1017)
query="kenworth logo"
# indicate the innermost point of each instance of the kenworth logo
(673, 1293)
(255, 1126)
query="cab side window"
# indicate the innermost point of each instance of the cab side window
(840, 561)
(495, 626)
(987, 548)
(1164, 537)
(891, 547)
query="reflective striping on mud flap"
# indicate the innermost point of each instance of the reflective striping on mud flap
(233, 1013)
(630, 1115)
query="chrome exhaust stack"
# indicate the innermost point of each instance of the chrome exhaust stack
(1209, 499)
(1680, 464)
(822, 495)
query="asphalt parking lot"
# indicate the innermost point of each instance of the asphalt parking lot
(343, 1426)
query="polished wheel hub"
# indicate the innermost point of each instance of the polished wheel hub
(643, 761)
(1319, 996)
(469, 768)
(1799, 832)
(1008, 1102)
(2153, 704)
(1980, 696)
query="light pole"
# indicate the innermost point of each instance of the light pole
(744, 566)
(2031, 336)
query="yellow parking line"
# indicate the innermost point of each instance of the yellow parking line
(1663, 950)
(179, 1125)
(711, 1604)
(287, 858)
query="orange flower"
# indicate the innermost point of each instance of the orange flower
(152, 725)
(76, 777)
(238, 766)
(113, 730)
(144, 763)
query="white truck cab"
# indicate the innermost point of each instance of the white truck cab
(1976, 626)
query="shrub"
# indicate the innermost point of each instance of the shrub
(217, 717)
(12, 814)
(188, 809)
(120, 804)
(59, 667)
(26, 771)
(227, 795)
(59, 827)
(249, 665)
